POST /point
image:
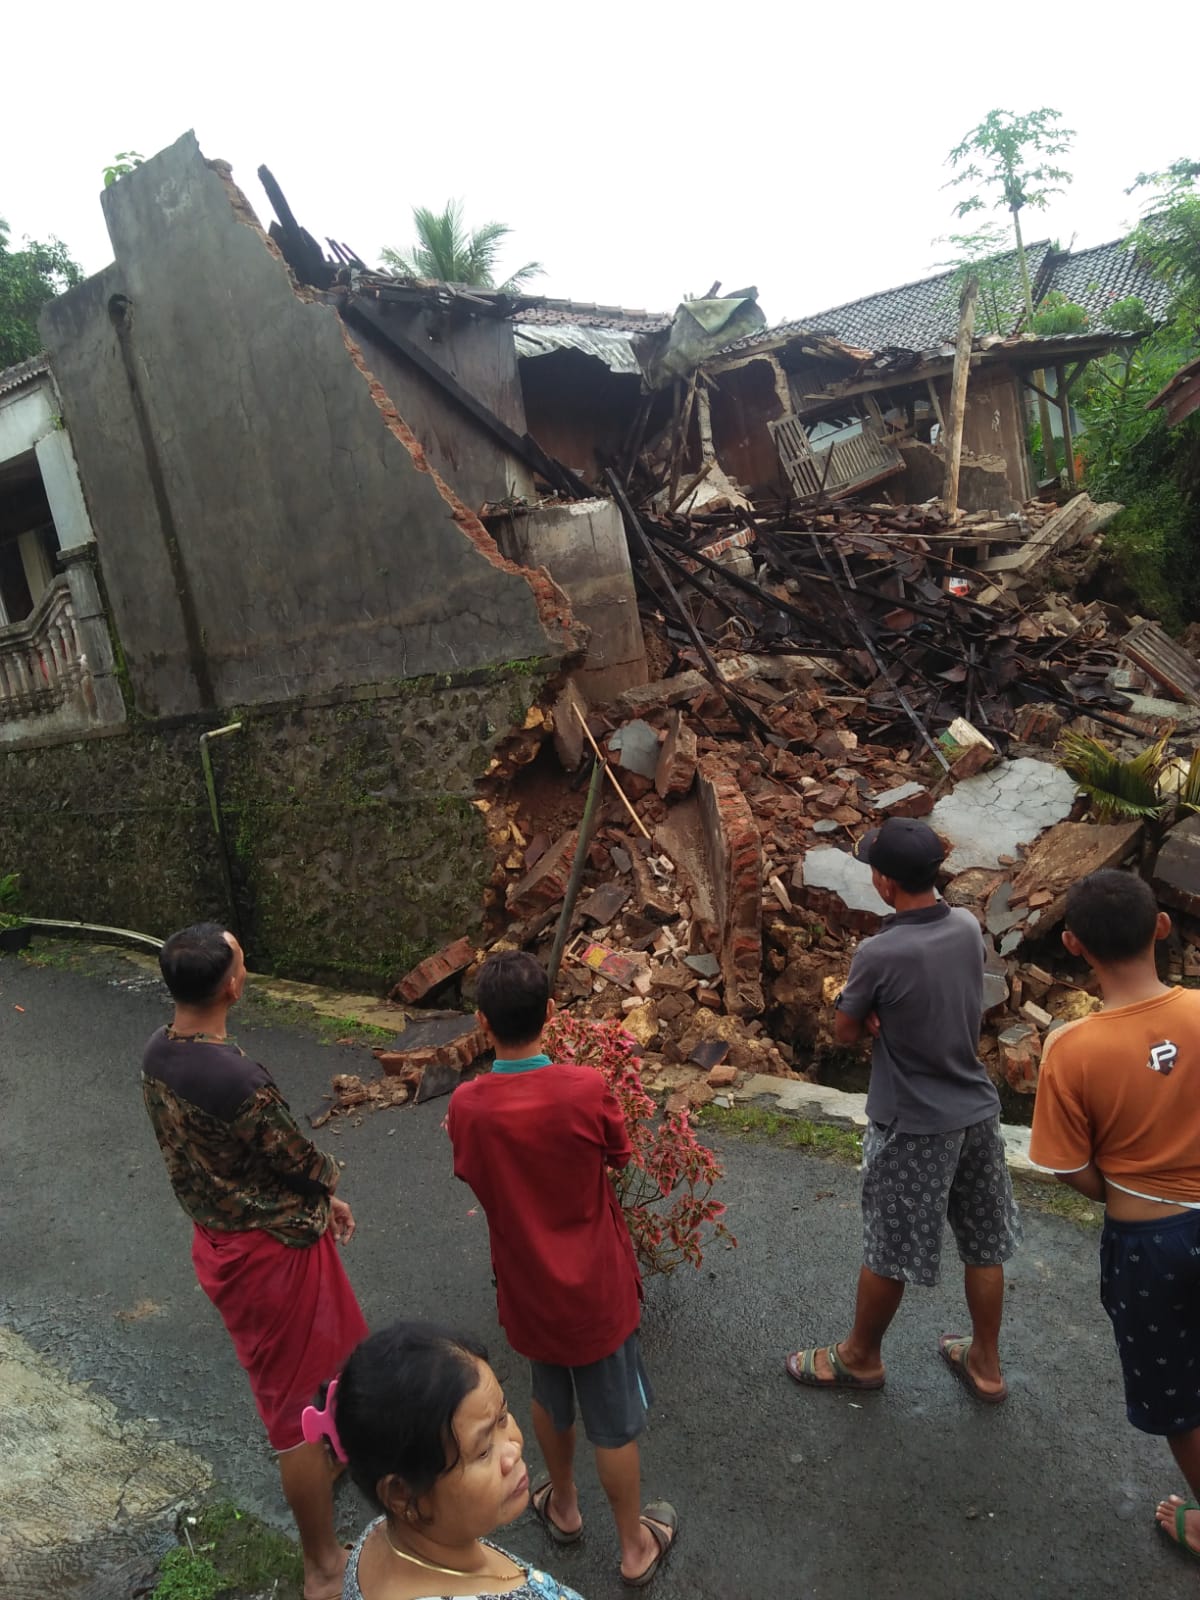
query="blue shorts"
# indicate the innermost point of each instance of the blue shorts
(1150, 1287)
(614, 1395)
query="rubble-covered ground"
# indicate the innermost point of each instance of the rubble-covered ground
(815, 672)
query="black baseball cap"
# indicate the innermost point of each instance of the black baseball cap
(903, 849)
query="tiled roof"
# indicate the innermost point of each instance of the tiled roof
(23, 372)
(923, 315)
(914, 316)
(1096, 278)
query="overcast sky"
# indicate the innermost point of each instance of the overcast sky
(640, 151)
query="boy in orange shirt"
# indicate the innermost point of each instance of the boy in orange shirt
(1117, 1117)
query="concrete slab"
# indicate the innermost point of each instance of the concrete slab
(997, 812)
(636, 747)
(1177, 870)
(123, 1474)
(837, 870)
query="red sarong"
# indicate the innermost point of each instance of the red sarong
(290, 1312)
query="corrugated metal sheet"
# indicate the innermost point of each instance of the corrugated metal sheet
(614, 349)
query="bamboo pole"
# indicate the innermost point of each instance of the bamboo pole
(958, 395)
(1064, 406)
(603, 760)
(586, 827)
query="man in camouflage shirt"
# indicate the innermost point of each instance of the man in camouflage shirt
(266, 1222)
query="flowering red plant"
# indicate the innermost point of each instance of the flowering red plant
(666, 1190)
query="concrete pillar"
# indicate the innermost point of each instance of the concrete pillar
(56, 463)
(583, 547)
(91, 621)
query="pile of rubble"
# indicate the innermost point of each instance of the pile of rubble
(826, 669)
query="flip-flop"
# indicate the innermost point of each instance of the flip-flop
(1181, 1511)
(539, 1503)
(953, 1349)
(802, 1366)
(656, 1517)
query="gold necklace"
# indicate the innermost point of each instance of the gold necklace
(430, 1566)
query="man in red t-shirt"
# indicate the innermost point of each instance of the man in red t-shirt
(535, 1142)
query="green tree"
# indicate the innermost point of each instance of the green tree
(986, 256)
(29, 277)
(1168, 236)
(447, 251)
(1008, 159)
(1131, 453)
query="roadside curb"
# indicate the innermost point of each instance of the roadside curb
(815, 1102)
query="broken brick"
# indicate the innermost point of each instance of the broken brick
(1020, 1057)
(546, 883)
(441, 1048)
(676, 770)
(602, 905)
(431, 973)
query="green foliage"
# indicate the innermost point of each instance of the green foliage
(124, 161)
(229, 1552)
(448, 252)
(1188, 798)
(28, 279)
(184, 1576)
(1168, 236)
(1130, 452)
(10, 917)
(987, 256)
(1129, 315)
(1056, 314)
(995, 155)
(1118, 790)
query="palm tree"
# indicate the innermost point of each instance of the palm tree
(448, 252)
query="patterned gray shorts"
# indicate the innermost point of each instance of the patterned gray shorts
(913, 1183)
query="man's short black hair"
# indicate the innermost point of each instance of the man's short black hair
(195, 963)
(1112, 914)
(512, 992)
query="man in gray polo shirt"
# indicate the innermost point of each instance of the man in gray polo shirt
(932, 1152)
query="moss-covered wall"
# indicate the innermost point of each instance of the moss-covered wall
(355, 847)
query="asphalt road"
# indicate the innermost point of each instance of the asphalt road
(916, 1491)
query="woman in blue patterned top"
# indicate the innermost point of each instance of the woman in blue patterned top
(420, 1418)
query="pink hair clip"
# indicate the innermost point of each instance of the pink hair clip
(317, 1425)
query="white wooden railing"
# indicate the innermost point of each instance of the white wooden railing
(840, 462)
(43, 670)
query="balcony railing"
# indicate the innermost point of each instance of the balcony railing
(839, 464)
(45, 680)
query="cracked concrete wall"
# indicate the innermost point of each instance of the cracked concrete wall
(268, 525)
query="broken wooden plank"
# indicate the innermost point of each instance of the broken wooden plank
(1167, 663)
(1054, 531)
(1063, 855)
(958, 394)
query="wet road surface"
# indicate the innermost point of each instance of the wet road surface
(915, 1491)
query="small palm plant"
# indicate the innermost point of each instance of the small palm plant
(447, 251)
(1119, 790)
(1188, 798)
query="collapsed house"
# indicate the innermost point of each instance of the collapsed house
(332, 586)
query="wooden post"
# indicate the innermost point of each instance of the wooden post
(1063, 395)
(958, 395)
